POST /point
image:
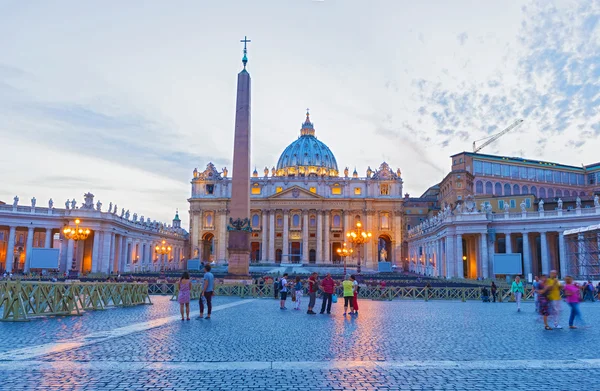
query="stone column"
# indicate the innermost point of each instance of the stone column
(10, 249)
(272, 235)
(459, 257)
(28, 248)
(48, 238)
(264, 251)
(397, 250)
(581, 261)
(223, 236)
(123, 254)
(527, 265)
(305, 237)
(484, 256)
(70, 255)
(319, 237)
(95, 252)
(285, 247)
(427, 259)
(369, 259)
(441, 264)
(508, 242)
(562, 257)
(106, 252)
(544, 250)
(326, 244)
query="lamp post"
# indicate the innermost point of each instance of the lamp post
(76, 234)
(163, 249)
(344, 252)
(358, 237)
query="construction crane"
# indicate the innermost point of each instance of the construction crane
(495, 137)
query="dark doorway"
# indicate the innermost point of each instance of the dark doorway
(255, 252)
(312, 256)
(295, 252)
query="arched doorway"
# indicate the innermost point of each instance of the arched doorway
(384, 249)
(208, 248)
(278, 254)
(255, 251)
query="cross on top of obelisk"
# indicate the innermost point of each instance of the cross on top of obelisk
(245, 58)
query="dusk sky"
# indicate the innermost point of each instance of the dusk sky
(125, 99)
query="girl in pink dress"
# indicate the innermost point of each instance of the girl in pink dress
(183, 297)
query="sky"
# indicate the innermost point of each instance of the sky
(125, 99)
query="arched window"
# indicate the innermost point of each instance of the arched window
(534, 190)
(558, 193)
(479, 187)
(507, 189)
(296, 220)
(255, 221)
(337, 221)
(488, 188)
(566, 193)
(550, 193)
(208, 220)
(525, 190)
(542, 192)
(582, 193)
(385, 221)
(312, 220)
(516, 190)
(498, 189)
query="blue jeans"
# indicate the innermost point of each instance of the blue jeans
(574, 313)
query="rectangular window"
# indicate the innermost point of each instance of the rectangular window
(357, 191)
(477, 167)
(528, 202)
(278, 189)
(514, 172)
(487, 168)
(573, 178)
(459, 185)
(336, 190)
(513, 204)
(523, 172)
(531, 173)
(459, 197)
(501, 204)
(540, 175)
(210, 189)
(496, 169)
(313, 189)
(565, 178)
(556, 176)
(591, 179)
(548, 175)
(256, 190)
(384, 189)
(580, 179)
(505, 170)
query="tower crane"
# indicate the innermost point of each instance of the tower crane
(495, 137)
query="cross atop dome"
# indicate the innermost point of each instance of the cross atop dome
(307, 126)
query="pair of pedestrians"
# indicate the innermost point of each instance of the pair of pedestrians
(185, 286)
(284, 287)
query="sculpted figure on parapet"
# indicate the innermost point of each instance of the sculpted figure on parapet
(560, 204)
(578, 202)
(596, 201)
(541, 206)
(16, 201)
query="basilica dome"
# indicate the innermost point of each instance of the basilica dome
(307, 155)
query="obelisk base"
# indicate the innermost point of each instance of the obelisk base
(239, 255)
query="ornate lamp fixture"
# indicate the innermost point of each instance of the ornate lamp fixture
(163, 249)
(344, 252)
(76, 233)
(358, 237)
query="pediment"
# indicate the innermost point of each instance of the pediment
(296, 193)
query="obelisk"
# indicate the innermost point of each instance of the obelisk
(239, 206)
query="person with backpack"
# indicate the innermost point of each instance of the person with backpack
(276, 287)
(283, 290)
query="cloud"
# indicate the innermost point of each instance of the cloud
(462, 37)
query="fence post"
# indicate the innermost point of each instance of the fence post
(464, 298)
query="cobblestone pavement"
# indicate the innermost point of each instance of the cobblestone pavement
(252, 345)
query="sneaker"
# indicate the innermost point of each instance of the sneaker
(518, 310)
(557, 326)
(321, 312)
(572, 327)
(312, 313)
(208, 317)
(200, 317)
(328, 312)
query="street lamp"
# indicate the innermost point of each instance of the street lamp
(344, 252)
(163, 248)
(358, 237)
(75, 234)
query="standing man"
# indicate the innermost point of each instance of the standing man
(283, 290)
(328, 287)
(312, 293)
(208, 286)
(554, 298)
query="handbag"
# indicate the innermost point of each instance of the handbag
(334, 298)
(293, 296)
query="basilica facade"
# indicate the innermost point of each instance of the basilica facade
(302, 208)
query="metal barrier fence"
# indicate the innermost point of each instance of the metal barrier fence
(373, 293)
(22, 300)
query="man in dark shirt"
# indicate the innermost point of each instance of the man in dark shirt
(328, 287)
(312, 292)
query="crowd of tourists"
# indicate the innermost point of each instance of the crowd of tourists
(549, 293)
(325, 288)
